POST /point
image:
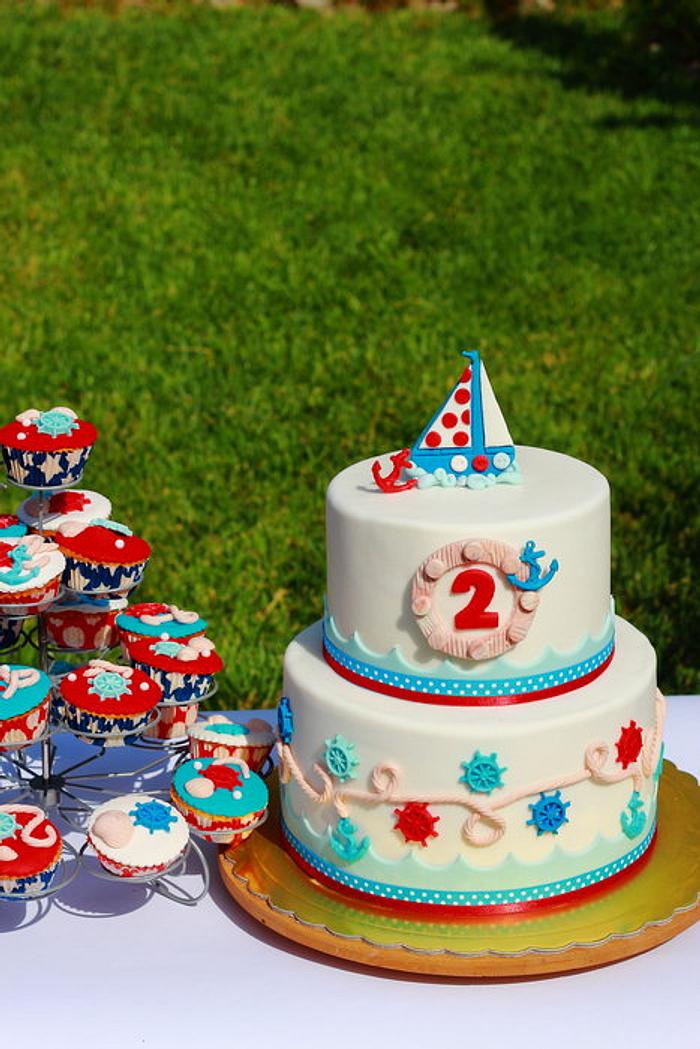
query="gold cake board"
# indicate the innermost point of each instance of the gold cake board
(659, 902)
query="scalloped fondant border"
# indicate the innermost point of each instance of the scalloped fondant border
(425, 689)
(456, 903)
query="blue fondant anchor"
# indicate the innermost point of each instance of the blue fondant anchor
(344, 843)
(531, 558)
(633, 821)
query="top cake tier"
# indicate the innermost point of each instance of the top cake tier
(448, 596)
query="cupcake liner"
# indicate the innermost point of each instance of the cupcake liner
(82, 631)
(222, 830)
(111, 730)
(10, 630)
(88, 576)
(25, 727)
(123, 870)
(32, 600)
(173, 722)
(254, 756)
(45, 469)
(178, 688)
(30, 885)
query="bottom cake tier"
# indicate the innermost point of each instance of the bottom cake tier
(464, 810)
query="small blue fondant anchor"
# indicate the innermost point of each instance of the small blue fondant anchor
(535, 580)
(632, 822)
(343, 841)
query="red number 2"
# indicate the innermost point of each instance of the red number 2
(474, 615)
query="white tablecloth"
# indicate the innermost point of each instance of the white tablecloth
(104, 965)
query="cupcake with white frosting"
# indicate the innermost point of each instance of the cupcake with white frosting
(31, 569)
(46, 513)
(137, 835)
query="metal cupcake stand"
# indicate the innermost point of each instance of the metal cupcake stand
(32, 771)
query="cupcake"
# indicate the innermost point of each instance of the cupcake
(137, 835)
(222, 801)
(218, 737)
(185, 671)
(30, 573)
(25, 697)
(107, 701)
(11, 527)
(46, 514)
(46, 449)
(153, 619)
(30, 850)
(82, 623)
(103, 557)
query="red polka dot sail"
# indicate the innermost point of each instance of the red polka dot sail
(468, 436)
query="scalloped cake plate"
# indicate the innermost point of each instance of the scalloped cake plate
(661, 901)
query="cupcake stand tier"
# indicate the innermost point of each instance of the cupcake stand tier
(70, 792)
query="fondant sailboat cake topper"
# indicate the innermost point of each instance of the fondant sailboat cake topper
(466, 444)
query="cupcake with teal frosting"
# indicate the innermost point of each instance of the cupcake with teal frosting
(158, 621)
(25, 696)
(223, 801)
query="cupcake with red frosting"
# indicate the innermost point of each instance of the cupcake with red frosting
(158, 621)
(31, 569)
(81, 623)
(185, 671)
(106, 701)
(46, 449)
(25, 697)
(46, 513)
(103, 557)
(30, 850)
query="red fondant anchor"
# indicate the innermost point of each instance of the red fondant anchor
(390, 482)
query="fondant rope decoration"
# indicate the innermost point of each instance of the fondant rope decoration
(484, 825)
(24, 677)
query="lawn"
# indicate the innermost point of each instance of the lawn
(249, 243)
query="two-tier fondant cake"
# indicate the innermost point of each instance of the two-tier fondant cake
(470, 730)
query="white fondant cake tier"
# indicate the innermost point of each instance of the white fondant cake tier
(367, 774)
(378, 542)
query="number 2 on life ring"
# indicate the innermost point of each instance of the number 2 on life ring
(474, 615)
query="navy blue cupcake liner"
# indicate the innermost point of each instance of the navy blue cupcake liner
(31, 884)
(87, 577)
(45, 469)
(112, 731)
(178, 688)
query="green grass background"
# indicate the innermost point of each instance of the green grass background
(249, 244)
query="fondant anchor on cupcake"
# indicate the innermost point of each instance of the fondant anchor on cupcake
(536, 580)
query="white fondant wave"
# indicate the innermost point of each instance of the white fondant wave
(510, 872)
(395, 661)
